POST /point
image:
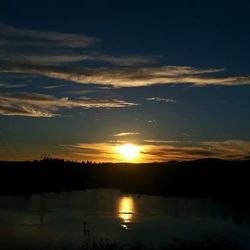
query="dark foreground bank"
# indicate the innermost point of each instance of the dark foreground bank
(205, 244)
(208, 178)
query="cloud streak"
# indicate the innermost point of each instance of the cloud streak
(57, 48)
(189, 150)
(122, 134)
(159, 99)
(44, 37)
(49, 53)
(130, 77)
(39, 105)
(157, 150)
(9, 85)
(71, 58)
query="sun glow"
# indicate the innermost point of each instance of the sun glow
(129, 152)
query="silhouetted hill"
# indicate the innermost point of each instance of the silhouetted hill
(212, 178)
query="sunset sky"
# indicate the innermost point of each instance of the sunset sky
(79, 80)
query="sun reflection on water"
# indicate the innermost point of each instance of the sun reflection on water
(126, 210)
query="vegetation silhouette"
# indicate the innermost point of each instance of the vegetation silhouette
(107, 244)
(203, 244)
(206, 242)
(206, 178)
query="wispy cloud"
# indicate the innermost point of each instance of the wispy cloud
(159, 99)
(82, 91)
(99, 152)
(125, 134)
(56, 86)
(39, 105)
(151, 121)
(130, 77)
(190, 150)
(155, 141)
(70, 58)
(8, 85)
(48, 53)
(59, 39)
(156, 150)
(57, 48)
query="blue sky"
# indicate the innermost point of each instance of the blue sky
(77, 79)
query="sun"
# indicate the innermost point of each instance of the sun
(128, 152)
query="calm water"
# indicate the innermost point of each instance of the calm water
(54, 221)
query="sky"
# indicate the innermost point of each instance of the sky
(79, 79)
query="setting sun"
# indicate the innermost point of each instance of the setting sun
(129, 152)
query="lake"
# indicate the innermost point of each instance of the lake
(65, 220)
